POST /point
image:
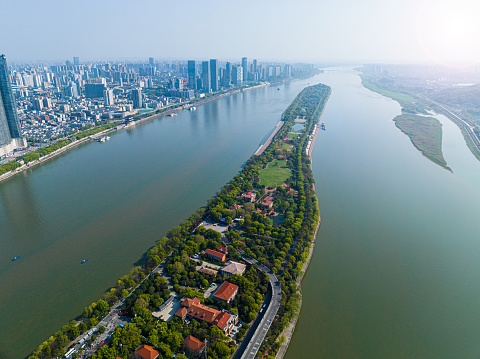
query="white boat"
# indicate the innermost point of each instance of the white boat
(193, 108)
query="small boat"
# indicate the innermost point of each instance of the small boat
(278, 89)
(172, 114)
(193, 108)
(86, 259)
(14, 259)
(323, 126)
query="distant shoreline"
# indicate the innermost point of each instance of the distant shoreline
(32, 164)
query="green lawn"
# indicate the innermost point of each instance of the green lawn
(286, 146)
(275, 174)
(293, 134)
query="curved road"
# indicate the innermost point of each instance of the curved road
(269, 313)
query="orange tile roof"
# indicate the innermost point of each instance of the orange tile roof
(226, 291)
(147, 352)
(181, 312)
(202, 312)
(189, 301)
(194, 344)
(215, 254)
(222, 320)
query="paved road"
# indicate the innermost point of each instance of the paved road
(270, 313)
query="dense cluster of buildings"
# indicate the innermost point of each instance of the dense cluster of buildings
(50, 100)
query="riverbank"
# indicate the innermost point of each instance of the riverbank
(270, 139)
(118, 128)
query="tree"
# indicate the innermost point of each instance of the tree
(178, 267)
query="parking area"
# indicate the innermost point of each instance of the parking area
(168, 311)
(222, 228)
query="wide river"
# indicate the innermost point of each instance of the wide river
(396, 269)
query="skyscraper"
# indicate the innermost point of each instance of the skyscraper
(10, 135)
(151, 61)
(214, 74)
(237, 75)
(108, 97)
(245, 69)
(192, 74)
(254, 65)
(137, 98)
(206, 76)
(76, 60)
(227, 79)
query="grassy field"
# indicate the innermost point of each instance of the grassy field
(293, 134)
(425, 134)
(286, 146)
(275, 174)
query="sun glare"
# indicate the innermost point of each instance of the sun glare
(449, 33)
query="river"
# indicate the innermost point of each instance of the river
(396, 267)
(109, 202)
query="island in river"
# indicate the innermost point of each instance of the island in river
(424, 131)
(244, 212)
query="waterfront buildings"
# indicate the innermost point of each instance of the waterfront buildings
(245, 69)
(237, 75)
(10, 135)
(137, 98)
(214, 74)
(206, 76)
(192, 75)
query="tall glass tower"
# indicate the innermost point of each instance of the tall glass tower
(10, 135)
(192, 75)
(214, 74)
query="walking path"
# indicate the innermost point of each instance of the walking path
(269, 141)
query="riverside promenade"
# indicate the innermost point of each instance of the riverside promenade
(269, 141)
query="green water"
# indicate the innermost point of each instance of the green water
(396, 267)
(109, 202)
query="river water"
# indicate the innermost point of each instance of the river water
(109, 202)
(396, 267)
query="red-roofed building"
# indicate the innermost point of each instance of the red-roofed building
(222, 249)
(222, 320)
(188, 302)
(249, 196)
(218, 256)
(146, 352)
(226, 292)
(235, 206)
(268, 202)
(193, 347)
(287, 139)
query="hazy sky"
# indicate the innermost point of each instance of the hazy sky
(297, 30)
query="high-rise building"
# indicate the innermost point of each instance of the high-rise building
(94, 90)
(37, 104)
(206, 76)
(137, 98)
(151, 61)
(108, 97)
(214, 74)
(254, 65)
(47, 102)
(192, 75)
(227, 77)
(10, 135)
(237, 75)
(76, 60)
(245, 68)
